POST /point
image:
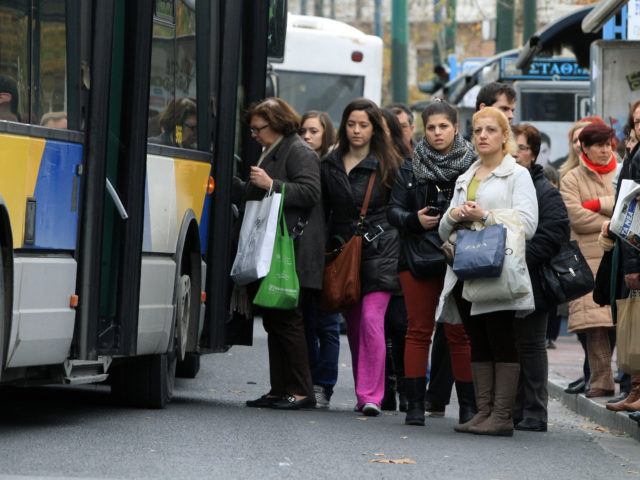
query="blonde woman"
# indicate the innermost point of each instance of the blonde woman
(495, 181)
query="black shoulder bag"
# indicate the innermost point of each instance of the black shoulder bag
(567, 275)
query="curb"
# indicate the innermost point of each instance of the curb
(594, 411)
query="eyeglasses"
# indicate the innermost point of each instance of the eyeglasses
(190, 127)
(256, 130)
(523, 148)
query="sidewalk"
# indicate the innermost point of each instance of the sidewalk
(565, 365)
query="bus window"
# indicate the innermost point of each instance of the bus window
(14, 69)
(305, 91)
(173, 119)
(547, 107)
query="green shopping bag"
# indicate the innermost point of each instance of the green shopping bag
(280, 288)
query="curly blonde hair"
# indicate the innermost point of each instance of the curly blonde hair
(510, 145)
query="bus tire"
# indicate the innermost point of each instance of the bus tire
(145, 382)
(189, 367)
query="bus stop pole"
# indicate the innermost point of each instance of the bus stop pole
(399, 51)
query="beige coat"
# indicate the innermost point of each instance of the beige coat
(578, 186)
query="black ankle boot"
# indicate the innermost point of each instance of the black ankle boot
(466, 400)
(415, 388)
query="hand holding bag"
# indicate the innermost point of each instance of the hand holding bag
(628, 333)
(480, 253)
(280, 288)
(567, 275)
(514, 281)
(257, 236)
(341, 280)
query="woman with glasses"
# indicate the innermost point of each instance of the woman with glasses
(178, 124)
(530, 412)
(363, 148)
(588, 194)
(287, 159)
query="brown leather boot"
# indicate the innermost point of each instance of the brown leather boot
(500, 422)
(634, 395)
(633, 404)
(482, 374)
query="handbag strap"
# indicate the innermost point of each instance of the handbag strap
(367, 196)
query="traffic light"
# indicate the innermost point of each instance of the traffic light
(441, 76)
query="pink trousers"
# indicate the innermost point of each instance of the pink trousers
(365, 331)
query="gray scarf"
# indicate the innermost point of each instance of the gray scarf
(429, 164)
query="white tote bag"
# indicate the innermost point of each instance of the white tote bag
(257, 235)
(514, 281)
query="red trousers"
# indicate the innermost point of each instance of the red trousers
(421, 298)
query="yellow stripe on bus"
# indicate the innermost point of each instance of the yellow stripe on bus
(192, 179)
(20, 159)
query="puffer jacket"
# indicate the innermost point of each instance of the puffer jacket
(509, 185)
(553, 230)
(578, 186)
(410, 195)
(343, 196)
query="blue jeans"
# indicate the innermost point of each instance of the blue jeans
(323, 344)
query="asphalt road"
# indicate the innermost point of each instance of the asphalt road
(207, 432)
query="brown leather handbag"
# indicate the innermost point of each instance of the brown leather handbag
(341, 281)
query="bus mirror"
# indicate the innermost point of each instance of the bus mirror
(277, 30)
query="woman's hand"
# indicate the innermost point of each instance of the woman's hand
(260, 178)
(632, 280)
(470, 212)
(427, 221)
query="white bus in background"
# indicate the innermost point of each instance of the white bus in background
(327, 64)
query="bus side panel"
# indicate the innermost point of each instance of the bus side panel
(43, 320)
(44, 170)
(173, 187)
(156, 304)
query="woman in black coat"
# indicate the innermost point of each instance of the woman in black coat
(363, 148)
(286, 158)
(530, 412)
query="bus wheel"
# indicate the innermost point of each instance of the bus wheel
(145, 382)
(189, 367)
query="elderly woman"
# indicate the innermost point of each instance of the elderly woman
(495, 181)
(530, 413)
(286, 158)
(589, 196)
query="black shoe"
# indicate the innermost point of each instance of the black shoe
(262, 402)
(621, 396)
(389, 400)
(578, 388)
(466, 400)
(289, 402)
(635, 416)
(403, 402)
(434, 409)
(576, 382)
(529, 424)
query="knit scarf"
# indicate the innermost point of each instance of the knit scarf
(429, 164)
(600, 169)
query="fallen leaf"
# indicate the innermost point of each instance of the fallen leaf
(364, 419)
(393, 460)
(237, 391)
(404, 437)
(379, 454)
(599, 429)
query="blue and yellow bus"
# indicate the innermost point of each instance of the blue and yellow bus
(115, 119)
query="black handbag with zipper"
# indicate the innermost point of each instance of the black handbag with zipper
(423, 251)
(567, 275)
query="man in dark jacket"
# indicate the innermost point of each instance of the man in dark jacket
(530, 412)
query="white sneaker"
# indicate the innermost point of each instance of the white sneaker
(371, 410)
(321, 398)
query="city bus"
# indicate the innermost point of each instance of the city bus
(327, 64)
(118, 134)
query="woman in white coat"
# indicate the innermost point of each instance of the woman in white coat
(495, 182)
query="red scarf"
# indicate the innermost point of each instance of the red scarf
(600, 169)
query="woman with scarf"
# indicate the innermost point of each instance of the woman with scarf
(422, 191)
(588, 193)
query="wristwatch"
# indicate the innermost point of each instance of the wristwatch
(484, 217)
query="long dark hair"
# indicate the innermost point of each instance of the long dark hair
(380, 145)
(329, 134)
(395, 131)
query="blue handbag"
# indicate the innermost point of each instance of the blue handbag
(480, 253)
